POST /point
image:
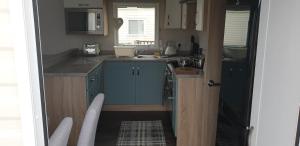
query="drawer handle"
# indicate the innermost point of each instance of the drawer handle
(92, 79)
(138, 71)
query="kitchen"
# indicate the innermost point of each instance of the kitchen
(146, 72)
(236, 107)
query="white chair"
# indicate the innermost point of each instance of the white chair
(61, 134)
(89, 126)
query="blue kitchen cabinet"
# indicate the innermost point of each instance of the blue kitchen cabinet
(149, 82)
(174, 105)
(119, 83)
(94, 83)
(133, 82)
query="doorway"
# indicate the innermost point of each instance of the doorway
(238, 66)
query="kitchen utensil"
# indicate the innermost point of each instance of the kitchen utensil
(170, 50)
(196, 51)
(124, 51)
(199, 62)
(91, 49)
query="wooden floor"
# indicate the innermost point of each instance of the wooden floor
(109, 125)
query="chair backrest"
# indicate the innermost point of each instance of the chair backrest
(61, 134)
(89, 126)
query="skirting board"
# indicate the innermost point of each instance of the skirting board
(135, 108)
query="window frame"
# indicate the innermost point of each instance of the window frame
(117, 5)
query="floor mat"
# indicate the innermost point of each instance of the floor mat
(141, 133)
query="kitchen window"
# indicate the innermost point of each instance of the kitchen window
(236, 34)
(236, 28)
(136, 27)
(140, 24)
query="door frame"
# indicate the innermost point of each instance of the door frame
(259, 69)
(29, 72)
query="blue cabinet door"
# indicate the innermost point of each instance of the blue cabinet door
(149, 82)
(94, 82)
(119, 87)
(174, 105)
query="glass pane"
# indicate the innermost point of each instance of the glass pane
(77, 21)
(138, 27)
(236, 28)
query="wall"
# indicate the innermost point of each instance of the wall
(54, 39)
(52, 28)
(276, 98)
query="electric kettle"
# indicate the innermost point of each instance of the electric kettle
(170, 50)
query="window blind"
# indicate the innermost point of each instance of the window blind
(236, 28)
(136, 27)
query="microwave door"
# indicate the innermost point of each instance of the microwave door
(77, 22)
(91, 21)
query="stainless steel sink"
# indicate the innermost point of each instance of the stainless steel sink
(146, 56)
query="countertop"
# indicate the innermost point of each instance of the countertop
(198, 75)
(81, 66)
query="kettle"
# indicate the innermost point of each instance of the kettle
(170, 50)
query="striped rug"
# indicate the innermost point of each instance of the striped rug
(141, 133)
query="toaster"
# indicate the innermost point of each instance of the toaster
(91, 49)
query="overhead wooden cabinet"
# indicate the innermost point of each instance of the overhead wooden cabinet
(83, 3)
(180, 15)
(200, 15)
(173, 14)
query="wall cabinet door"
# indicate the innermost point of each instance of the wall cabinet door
(173, 14)
(149, 82)
(83, 3)
(119, 82)
(200, 15)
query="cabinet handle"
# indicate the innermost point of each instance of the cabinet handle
(132, 71)
(93, 79)
(171, 98)
(138, 71)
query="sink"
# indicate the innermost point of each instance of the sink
(147, 56)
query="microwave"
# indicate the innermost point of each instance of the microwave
(84, 21)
